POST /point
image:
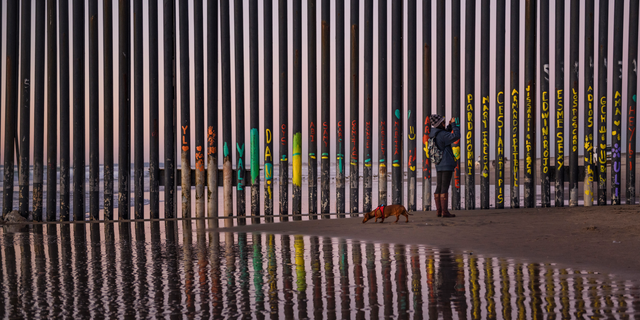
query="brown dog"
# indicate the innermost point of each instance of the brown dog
(385, 212)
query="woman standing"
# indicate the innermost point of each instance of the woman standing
(444, 137)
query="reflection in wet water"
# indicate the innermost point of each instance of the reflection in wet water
(151, 269)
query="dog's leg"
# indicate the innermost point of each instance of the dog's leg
(397, 218)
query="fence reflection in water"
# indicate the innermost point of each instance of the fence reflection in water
(150, 269)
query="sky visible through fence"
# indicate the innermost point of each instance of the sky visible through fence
(435, 64)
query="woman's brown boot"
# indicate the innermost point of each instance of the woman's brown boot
(436, 198)
(444, 203)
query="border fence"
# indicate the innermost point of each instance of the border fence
(530, 135)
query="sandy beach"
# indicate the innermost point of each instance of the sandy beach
(600, 239)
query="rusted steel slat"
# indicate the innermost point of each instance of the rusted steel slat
(38, 111)
(199, 106)
(411, 104)
(284, 109)
(601, 144)
(255, 111)
(340, 119)
(268, 111)
(485, 99)
(52, 108)
(396, 101)
(383, 160)
(367, 176)
(240, 143)
(426, 103)
(124, 152)
(354, 124)
(168, 10)
(545, 151)
(94, 116)
(312, 105)
(632, 103)
(469, 103)
(25, 107)
(154, 140)
(530, 103)
(296, 155)
(559, 101)
(589, 102)
(138, 110)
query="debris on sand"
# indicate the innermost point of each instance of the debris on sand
(592, 228)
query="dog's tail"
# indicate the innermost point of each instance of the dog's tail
(408, 213)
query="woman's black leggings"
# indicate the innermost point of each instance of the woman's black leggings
(444, 180)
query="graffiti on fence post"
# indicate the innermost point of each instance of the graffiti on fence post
(313, 113)
(616, 134)
(559, 104)
(268, 111)
(500, 150)
(484, 115)
(254, 112)
(367, 175)
(470, 139)
(199, 107)
(297, 111)
(411, 103)
(396, 101)
(601, 150)
(500, 65)
(530, 107)
(340, 101)
(382, 102)
(185, 109)
(546, 149)
(529, 149)
(574, 63)
(573, 183)
(484, 163)
(284, 109)
(515, 103)
(631, 103)
(588, 106)
(325, 149)
(426, 104)
(545, 110)
(470, 44)
(354, 171)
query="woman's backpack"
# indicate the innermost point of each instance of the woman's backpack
(435, 154)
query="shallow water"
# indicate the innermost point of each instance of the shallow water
(180, 268)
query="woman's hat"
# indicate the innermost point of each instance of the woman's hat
(436, 120)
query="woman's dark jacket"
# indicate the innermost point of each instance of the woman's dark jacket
(444, 139)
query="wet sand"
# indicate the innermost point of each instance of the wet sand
(600, 239)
